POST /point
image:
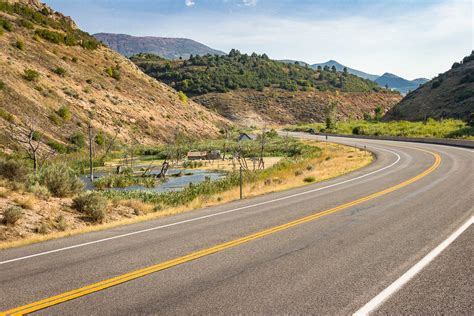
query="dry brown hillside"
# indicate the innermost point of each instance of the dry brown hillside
(276, 106)
(56, 86)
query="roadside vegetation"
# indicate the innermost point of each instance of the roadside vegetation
(430, 128)
(50, 200)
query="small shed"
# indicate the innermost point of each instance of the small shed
(197, 155)
(245, 137)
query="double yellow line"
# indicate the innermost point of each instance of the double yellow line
(67, 296)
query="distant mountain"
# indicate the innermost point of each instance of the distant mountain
(340, 67)
(169, 48)
(399, 83)
(449, 95)
(296, 62)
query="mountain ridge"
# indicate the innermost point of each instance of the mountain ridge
(166, 47)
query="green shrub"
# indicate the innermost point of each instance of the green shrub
(1, 31)
(61, 223)
(65, 113)
(50, 36)
(20, 45)
(53, 117)
(14, 170)
(6, 25)
(40, 191)
(6, 116)
(26, 24)
(78, 139)
(435, 84)
(92, 204)
(43, 228)
(74, 59)
(12, 215)
(59, 71)
(100, 139)
(2, 86)
(60, 180)
(30, 75)
(113, 72)
(183, 97)
(58, 147)
(309, 179)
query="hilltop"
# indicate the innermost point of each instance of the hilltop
(253, 89)
(449, 95)
(54, 77)
(340, 67)
(399, 83)
(166, 47)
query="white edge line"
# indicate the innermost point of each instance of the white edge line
(373, 304)
(207, 216)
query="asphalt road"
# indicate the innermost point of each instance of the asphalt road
(331, 264)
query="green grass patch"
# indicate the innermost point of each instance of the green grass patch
(431, 128)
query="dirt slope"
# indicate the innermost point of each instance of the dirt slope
(275, 106)
(100, 81)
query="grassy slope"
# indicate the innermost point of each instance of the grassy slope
(141, 108)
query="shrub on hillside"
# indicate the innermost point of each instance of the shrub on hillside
(12, 215)
(65, 113)
(14, 170)
(183, 97)
(59, 71)
(50, 36)
(20, 45)
(60, 180)
(53, 117)
(78, 139)
(26, 24)
(30, 75)
(6, 116)
(40, 191)
(6, 25)
(2, 85)
(58, 147)
(92, 204)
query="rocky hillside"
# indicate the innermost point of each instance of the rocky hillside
(450, 95)
(254, 90)
(54, 77)
(277, 106)
(170, 48)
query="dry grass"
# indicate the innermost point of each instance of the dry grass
(26, 203)
(334, 161)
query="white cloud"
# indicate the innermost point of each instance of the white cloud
(249, 3)
(190, 3)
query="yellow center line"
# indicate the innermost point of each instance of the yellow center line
(67, 296)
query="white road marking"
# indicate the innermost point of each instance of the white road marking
(373, 304)
(208, 216)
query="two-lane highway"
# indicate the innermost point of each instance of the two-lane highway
(330, 247)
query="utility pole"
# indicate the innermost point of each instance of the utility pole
(91, 168)
(241, 183)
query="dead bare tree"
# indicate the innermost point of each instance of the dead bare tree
(31, 138)
(111, 144)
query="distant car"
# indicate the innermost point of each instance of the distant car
(312, 131)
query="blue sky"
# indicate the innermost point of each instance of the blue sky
(411, 38)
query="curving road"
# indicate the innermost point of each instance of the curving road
(327, 248)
